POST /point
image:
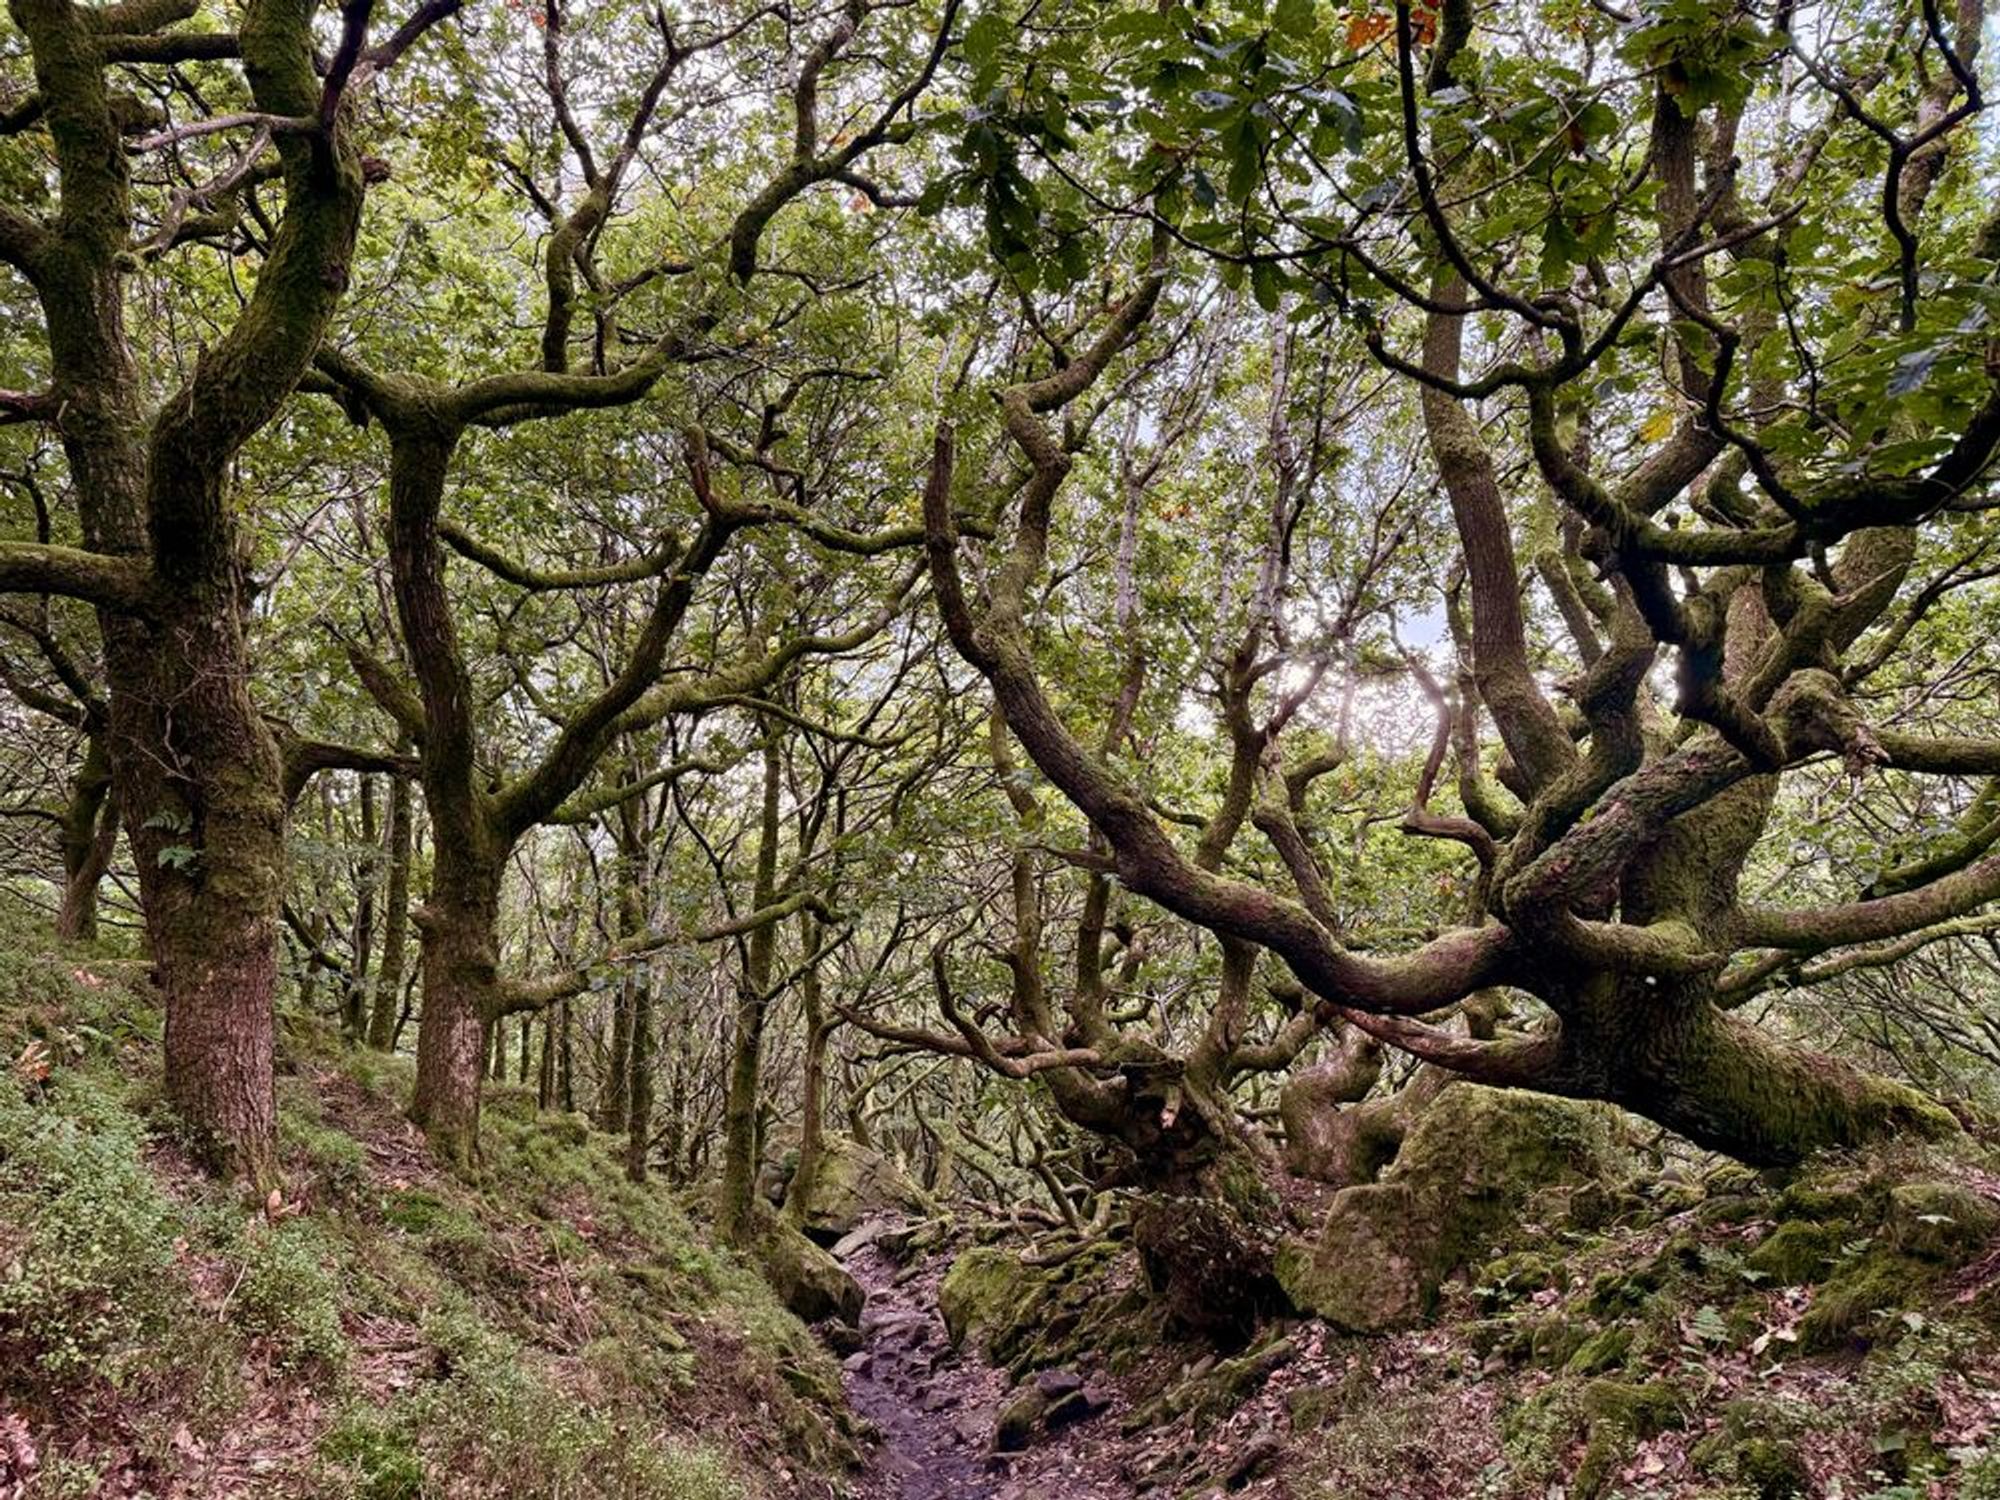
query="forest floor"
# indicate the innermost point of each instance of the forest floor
(1832, 1334)
(936, 1408)
(380, 1329)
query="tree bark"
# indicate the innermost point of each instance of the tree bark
(640, 1103)
(395, 921)
(739, 1111)
(812, 1086)
(355, 1016)
(89, 836)
(460, 968)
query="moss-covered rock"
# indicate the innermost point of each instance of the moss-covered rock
(1848, 1307)
(1464, 1175)
(1603, 1351)
(1621, 1414)
(983, 1290)
(1944, 1222)
(1089, 1309)
(855, 1183)
(812, 1284)
(1756, 1450)
(1799, 1252)
(1646, 1408)
(1363, 1271)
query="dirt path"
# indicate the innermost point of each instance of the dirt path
(934, 1409)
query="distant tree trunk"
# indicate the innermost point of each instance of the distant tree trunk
(739, 1111)
(354, 1019)
(612, 1104)
(317, 921)
(812, 1086)
(611, 1098)
(640, 1139)
(89, 835)
(545, 1075)
(565, 1058)
(382, 1020)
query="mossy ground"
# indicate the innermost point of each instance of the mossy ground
(1696, 1335)
(382, 1329)
(1727, 1336)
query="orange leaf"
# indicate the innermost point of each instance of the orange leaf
(1364, 29)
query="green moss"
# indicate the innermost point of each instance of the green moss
(371, 1459)
(91, 1282)
(854, 1182)
(1602, 1351)
(985, 1289)
(1848, 1307)
(1645, 1408)
(288, 1290)
(810, 1282)
(1820, 1201)
(1510, 1278)
(1756, 1447)
(1800, 1252)
(1621, 1414)
(1466, 1173)
(1944, 1222)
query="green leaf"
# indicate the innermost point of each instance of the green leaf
(1266, 285)
(984, 38)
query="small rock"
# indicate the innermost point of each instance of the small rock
(1075, 1406)
(839, 1337)
(860, 1239)
(1056, 1384)
(1254, 1458)
(1018, 1419)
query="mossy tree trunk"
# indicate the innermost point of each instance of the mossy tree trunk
(812, 1083)
(460, 967)
(197, 775)
(395, 919)
(746, 1049)
(89, 837)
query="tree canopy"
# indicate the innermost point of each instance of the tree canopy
(1108, 578)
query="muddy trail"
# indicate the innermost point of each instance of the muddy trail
(935, 1408)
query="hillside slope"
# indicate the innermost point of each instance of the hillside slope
(381, 1329)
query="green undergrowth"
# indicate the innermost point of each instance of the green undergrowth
(1719, 1335)
(380, 1329)
(1733, 1336)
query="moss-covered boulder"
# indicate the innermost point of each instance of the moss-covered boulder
(855, 1183)
(812, 1284)
(1365, 1270)
(985, 1289)
(1090, 1308)
(1756, 1449)
(1947, 1223)
(1463, 1177)
(1799, 1252)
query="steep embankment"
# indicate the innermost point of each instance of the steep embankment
(380, 1329)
